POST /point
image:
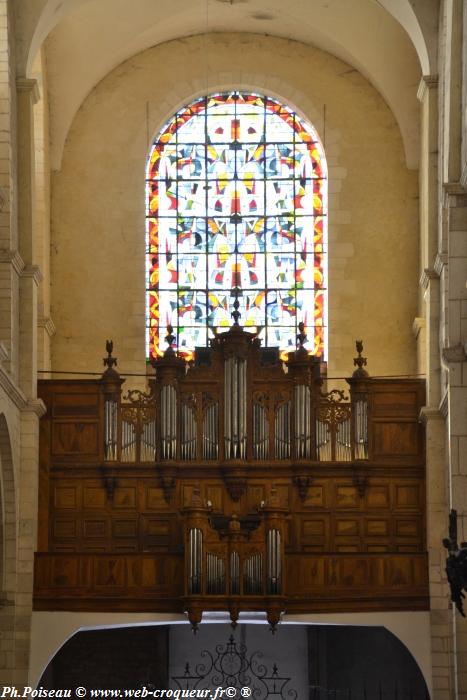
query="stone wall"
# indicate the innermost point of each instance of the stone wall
(98, 206)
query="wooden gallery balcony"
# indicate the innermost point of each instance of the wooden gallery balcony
(240, 482)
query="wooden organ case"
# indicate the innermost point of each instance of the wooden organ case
(239, 482)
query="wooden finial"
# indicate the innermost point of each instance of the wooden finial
(359, 362)
(110, 362)
(301, 337)
(236, 313)
(169, 339)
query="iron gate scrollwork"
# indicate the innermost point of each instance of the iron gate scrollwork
(231, 666)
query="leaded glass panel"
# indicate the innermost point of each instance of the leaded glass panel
(236, 208)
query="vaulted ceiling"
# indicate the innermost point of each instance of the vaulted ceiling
(391, 42)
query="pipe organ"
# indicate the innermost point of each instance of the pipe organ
(236, 482)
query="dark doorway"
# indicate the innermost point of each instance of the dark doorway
(303, 662)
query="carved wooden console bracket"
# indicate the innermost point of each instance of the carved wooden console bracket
(168, 484)
(303, 483)
(360, 482)
(235, 482)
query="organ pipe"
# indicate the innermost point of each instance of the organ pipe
(111, 428)
(128, 451)
(252, 574)
(260, 432)
(323, 442)
(360, 408)
(215, 574)
(188, 433)
(169, 422)
(344, 441)
(282, 431)
(234, 573)
(235, 408)
(210, 432)
(274, 563)
(195, 566)
(303, 421)
(148, 441)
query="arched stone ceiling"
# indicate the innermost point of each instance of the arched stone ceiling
(383, 39)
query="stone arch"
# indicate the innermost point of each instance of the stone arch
(7, 515)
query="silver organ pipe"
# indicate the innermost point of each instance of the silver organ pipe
(344, 441)
(210, 432)
(323, 441)
(252, 574)
(360, 408)
(128, 451)
(303, 421)
(282, 431)
(234, 573)
(148, 440)
(274, 564)
(188, 433)
(111, 428)
(169, 421)
(215, 574)
(235, 408)
(195, 568)
(260, 432)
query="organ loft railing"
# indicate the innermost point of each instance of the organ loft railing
(238, 405)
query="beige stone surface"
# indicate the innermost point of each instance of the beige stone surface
(98, 226)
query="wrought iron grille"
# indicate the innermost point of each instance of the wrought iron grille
(230, 665)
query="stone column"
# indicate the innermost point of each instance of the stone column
(443, 648)
(27, 486)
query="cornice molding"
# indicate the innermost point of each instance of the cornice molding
(36, 406)
(34, 272)
(455, 353)
(428, 413)
(444, 405)
(428, 274)
(427, 82)
(452, 189)
(12, 391)
(48, 325)
(13, 258)
(440, 261)
(29, 85)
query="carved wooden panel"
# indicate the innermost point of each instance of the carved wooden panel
(316, 496)
(75, 439)
(396, 439)
(112, 537)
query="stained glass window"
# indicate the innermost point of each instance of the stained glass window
(236, 209)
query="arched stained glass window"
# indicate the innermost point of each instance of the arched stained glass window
(236, 210)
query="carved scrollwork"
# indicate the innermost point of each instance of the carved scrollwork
(331, 409)
(138, 415)
(135, 396)
(261, 397)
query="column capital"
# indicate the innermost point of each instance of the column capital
(29, 85)
(428, 413)
(440, 261)
(13, 258)
(428, 274)
(36, 406)
(34, 272)
(427, 82)
(48, 325)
